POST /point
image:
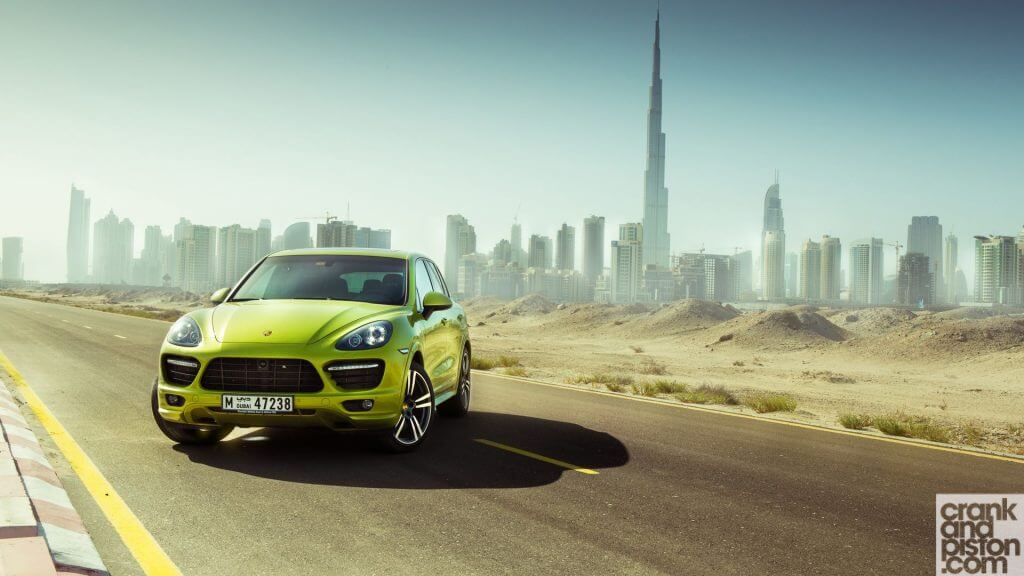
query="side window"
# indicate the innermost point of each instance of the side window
(435, 279)
(423, 284)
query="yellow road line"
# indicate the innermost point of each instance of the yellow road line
(150, 556)
(862, 435)
(536, 456)
(121, 337)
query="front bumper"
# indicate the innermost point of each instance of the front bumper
(311, 409)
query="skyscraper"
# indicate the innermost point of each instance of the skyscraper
(539, 252)
(297, 236)
(742, 274)
(810, 270)
(593, 247)
(264, 238)
(152, 260)
(866, 270)
(950, 264)
(78, 237)
(236, 253)
(627, 264)
(113, 251)
(997, 270)
(373, 238)
(831, 268)
(655, 225)
(502, 253)
(516, 239)
(565, 255)
(13, 267)
(773, 246)
(792, 275)
(460, 239)
(196, 249)
(915, 286)
(924, 236)
(335, 234)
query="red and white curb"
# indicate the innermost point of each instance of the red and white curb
(40, 531)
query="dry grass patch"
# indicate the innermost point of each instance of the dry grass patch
(854, 421)
(486, 363)
(763, 403)
(907, 426)
(516, 371)
(603, 378)
(652, 367)
(707, 394)
(645, 389)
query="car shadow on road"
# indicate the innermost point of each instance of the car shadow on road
(451, 458)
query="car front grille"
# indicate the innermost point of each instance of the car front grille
(356, 374)
(179, 370)
(261, 375)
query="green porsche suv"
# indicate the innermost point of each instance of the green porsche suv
(348, 339)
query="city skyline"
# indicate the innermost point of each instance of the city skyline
(878, 165)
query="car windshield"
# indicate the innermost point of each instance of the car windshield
(373, 279)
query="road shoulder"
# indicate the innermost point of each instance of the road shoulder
(40, 530)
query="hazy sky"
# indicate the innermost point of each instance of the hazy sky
(873, 111)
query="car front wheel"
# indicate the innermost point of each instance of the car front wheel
(185, 434)
(417, 413)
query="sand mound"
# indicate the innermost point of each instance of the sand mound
(781, 329)
(951, 341)
(684, 316)
(872, 320)
(529, 305)
(970, 313)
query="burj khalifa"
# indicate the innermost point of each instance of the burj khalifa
(656, 237)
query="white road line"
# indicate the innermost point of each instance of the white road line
(65, 321)
(86, 327)
(121, 337)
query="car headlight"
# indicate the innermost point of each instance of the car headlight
(372, 335)
(185, 332)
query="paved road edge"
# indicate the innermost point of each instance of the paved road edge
(40, 531)
(864, 434)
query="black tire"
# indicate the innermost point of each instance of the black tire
(417, 416)
(184, 434)
(458, 406)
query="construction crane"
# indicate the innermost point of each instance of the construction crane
(897, 246)
(326, 216)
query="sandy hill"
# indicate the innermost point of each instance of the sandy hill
(790, 328)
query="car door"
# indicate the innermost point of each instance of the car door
(432, 330)
(451, 324)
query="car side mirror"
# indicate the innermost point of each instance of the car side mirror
(220, 295)
(435, 301)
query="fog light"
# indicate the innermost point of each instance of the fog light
(175, 400)
(357, 405)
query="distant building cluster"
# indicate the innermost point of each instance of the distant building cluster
(193, 257)
(643, 269)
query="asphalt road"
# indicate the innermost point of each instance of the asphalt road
(677, 491)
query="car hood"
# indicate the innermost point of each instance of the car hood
(286, 321)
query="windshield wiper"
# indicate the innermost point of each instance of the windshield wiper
(244, 299)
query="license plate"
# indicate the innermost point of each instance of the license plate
(257, 404)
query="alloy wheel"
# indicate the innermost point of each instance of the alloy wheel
(417, 410)
(464, 379)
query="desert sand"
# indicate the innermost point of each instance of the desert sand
(962, 369)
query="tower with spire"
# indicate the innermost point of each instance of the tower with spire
(656, 237)
(773, 245)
